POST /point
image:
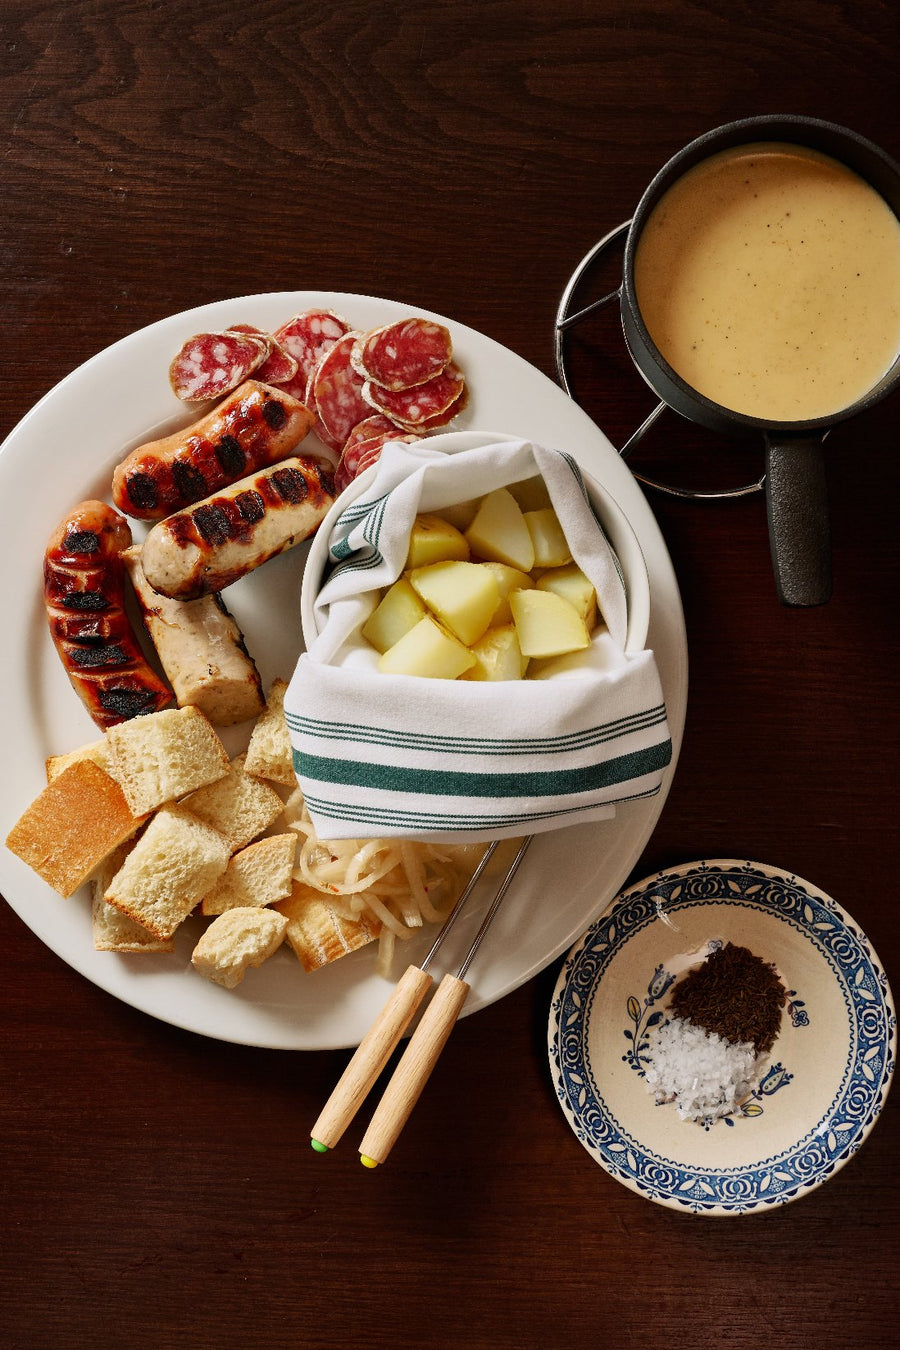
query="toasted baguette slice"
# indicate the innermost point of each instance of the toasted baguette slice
(238, 806)
(114, 931)
(269, 754)
(176, 861)
(76, 822)
(257, 876)
(235, 941)
(317, 933)
(164, 756)
(96, 751)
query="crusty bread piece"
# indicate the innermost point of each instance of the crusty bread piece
(96, 751)
(316, 932)
(114, 931)
(237, 940)
(269, 754)
(164, 756)
(176, 861)
(259, 875)
(72, 825)
(238, 806)
(200, 648)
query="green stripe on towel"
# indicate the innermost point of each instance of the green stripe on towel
(452, 783)
(396, 819)
(318, 729)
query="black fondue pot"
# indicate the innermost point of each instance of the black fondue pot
(796, 495)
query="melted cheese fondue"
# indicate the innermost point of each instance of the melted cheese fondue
(769, 278)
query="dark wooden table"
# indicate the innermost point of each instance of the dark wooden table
(158, 1187)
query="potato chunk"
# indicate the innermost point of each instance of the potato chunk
(463, 595)
(399, 610)
(551, 548)
(427, 650)
(571, 583)
(498, 656)
(546, 624)
(432, 540)
(499, 532)
(508, 579)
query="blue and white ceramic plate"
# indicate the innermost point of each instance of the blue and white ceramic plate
(821, 1088)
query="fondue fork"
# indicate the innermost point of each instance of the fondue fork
(425, 1045)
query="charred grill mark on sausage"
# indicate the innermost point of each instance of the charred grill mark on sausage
(84, 597)
(250, 430)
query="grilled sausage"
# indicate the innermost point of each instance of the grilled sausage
(83, 592)
(255, 426)
(201, 649)
(212, 544)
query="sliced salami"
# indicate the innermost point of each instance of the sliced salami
(371, 426)
(372, 453)
(279, 366)
(307, 337)
(211, 365)
(358, 455)
(404, 354)
(459, 405)
(428, 405)
(337, 390)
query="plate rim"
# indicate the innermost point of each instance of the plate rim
(717, 1206)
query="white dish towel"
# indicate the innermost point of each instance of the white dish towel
(379, 755)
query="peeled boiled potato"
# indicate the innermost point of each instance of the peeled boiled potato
(508, 579)
(463, 595)
(427, 650)
(571, 583)
(433, 540)
(546, 624)
(498, 656)
(489, 592)
(399, 610)
(551, 548)
(499, 532)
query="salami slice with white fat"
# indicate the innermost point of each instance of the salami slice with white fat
(404, 354)
(358, 455)
(371, 426)
(428, 405)
(279, 366)
(211, 365)
(307, 337)
(337, 390)
(370, 452)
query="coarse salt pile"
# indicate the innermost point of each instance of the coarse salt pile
(704, 1074)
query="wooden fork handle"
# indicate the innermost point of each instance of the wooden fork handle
(370, 1057)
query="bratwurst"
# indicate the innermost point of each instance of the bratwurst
(84, 586)
(255, 426)
(215, 542)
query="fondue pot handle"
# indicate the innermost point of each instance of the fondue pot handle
(797, 507)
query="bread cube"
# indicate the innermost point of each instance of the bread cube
(72, 826)
(235, 942)
(257, 876)
(164, 756)
(172, 866)
(269, 754)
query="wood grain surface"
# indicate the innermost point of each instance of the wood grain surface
(158, 1188)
